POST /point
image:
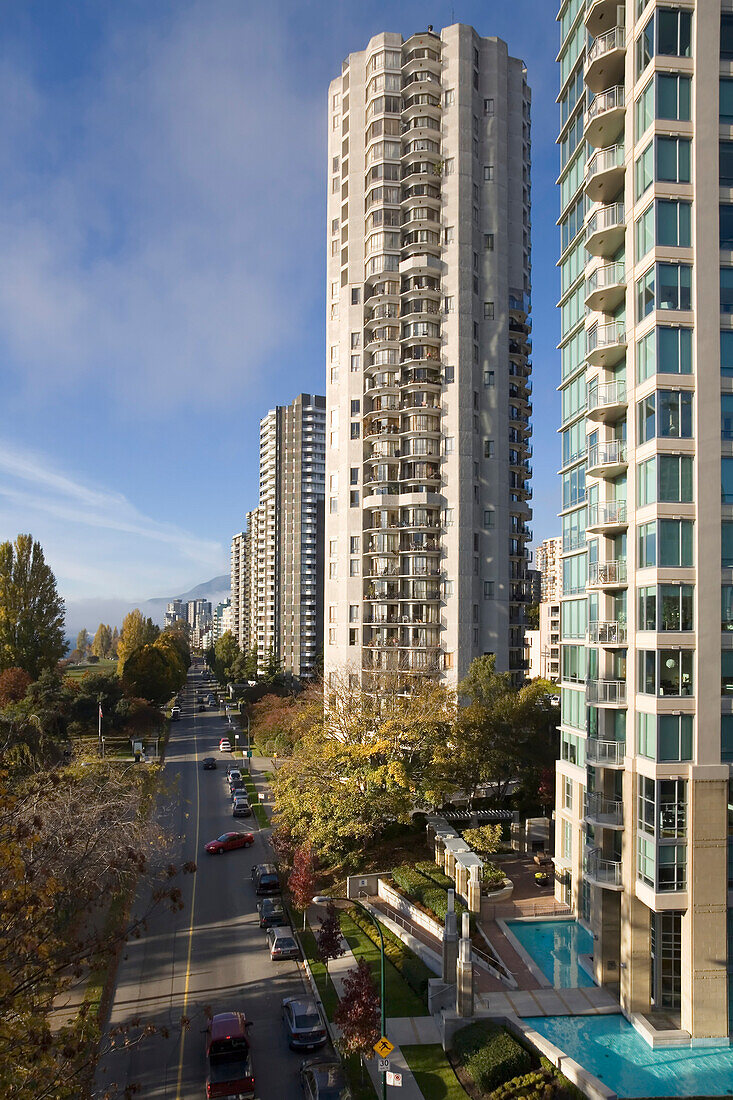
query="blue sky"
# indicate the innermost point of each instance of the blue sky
(162, 213)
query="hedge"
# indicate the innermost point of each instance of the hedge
(405, 961)
(538, 1085)
(490, 1056)
(432, 871)
(427, 893)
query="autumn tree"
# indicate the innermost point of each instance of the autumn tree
(485, 840)
(115, 642)
(31, 610)
(357, 1014)
(82, 640)
(329, 941)
(102, 644)
(70, 840)
(137, 631)
(14, 683)
(302, 879)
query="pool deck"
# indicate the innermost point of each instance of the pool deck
(590, 1001)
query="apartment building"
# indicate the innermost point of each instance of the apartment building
(175, 611)
(643, 809)
(277, 562)
(548, 561)
(428, 345)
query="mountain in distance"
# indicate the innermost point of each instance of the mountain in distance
(90, 613)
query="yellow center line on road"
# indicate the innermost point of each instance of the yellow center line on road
(191, 923)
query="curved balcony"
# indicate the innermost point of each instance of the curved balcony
(612, 633)
(600, 16)
(606, 873)
(605, 288)
(385, 382)
(606, 400)
(604, 119)
(604, 61)
(604, 174)
(605, 754)
(605, 345)
(607, 574)
(607, 459)
(611, 515)
(606, 693)
(605, 230)
(605, 813)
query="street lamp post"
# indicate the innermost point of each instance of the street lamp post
(322, 899)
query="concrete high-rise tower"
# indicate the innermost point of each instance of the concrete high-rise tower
(643, 809)
(427, 448)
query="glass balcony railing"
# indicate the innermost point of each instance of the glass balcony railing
(607, 873)
(605, 396)
(605, 754)
(606, 692)
(607, 633)
(606, 812)
(608, 572)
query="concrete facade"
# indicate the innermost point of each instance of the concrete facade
(428, 372)
(646, 378)
(548, 560)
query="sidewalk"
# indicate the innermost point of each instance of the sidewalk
(400, 1029)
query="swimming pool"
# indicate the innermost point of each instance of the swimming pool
(610, 1048)
(555, 945)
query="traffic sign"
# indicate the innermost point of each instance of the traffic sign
(395, 1079)
(383, 1065)
(383, 1047)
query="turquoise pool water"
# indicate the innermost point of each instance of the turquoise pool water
(555, 945)
(609, 1048)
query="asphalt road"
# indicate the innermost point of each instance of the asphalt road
(211, 954)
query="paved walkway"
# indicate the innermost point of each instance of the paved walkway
(589, 1001)
(400, 1029)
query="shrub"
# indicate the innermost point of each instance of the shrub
(432, 871)
(538, 1085)
(405, 961)
(490, 1055)
(427, 893)
(491, 876)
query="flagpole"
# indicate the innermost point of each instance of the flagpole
(99, 724)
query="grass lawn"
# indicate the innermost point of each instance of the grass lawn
(401, 1001)
(318, 970)
(261, 814)
(434, 1076)
(100, 666)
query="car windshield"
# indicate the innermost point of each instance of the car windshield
(285, 941)
(224, 836)
(268, 879)
(307, 1019)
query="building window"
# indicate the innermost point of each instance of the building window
(333, 505)
(448, 97)
(489, 242)
(447, 588)
(354, 498)
(488, 517)
(673, 97)
(353, 613)
(488, 448)
(334, 375)
(353, 637)
(355, 295)
(567, 793)
(489, 378)
(354, 475)
(449, 166)
(488, 106)
(726, 290)
(332, 613)
(355, 430)
(448, 374)
(332, 570)
(488, 172)
(665, 672)
(488, 590)
(355, 407)
(355, 363)
(354, 567)
(354, 544)
(448, 443)
(666, 414)
(448, 304)
(673, 160)
(356, 339)
(488, 311)
(332, 635)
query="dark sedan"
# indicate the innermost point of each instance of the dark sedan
(227, 841)
(271, 912)
(323, 1079)
(208, 763)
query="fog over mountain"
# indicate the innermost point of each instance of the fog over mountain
(90, 613)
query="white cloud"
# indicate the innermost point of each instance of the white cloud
(153, 223)
(97, 542)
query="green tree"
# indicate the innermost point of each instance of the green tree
(157, 670)
(273, 667)
(533, 616)
(102, 644)
(82, 641)
(115, 642)
(31, 610)
(137, 631)
(226, 652)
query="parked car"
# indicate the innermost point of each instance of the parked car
(175, 714)
(229, 1065)
(225, 745)
(201, 707)
(323, 1079)
(281, 944)
(208, 763)
(304, 1028)
(241, 808)
(227, 841)
(232, 774)
(265, 878)
(231, 768)
(237, 787)
(271, 912)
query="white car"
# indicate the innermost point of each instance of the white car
(224, 745)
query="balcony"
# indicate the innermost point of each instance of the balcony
(600, 16)
(604, 174)
(604, 119)
(606, 400)
(607, 459)
(606, 693)
(606, 873)
(607, 574)
(604, 812)
(605, 230)
(604, 61)
(605, 345)
(607, 633)
(605, 754)
(608, 516)
(605, 288)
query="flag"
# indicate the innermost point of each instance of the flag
(100, 712)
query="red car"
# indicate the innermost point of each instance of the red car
(227, 841)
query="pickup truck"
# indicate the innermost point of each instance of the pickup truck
(229, 1065)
